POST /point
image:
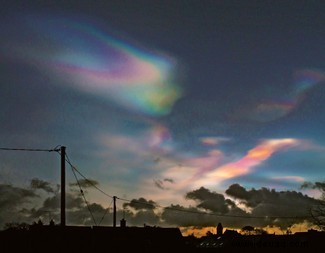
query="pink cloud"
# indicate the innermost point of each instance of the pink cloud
(245, 165)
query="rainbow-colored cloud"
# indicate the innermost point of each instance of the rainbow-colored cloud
(253, 158)
(88, 59)
(275, 108)
(214, 168)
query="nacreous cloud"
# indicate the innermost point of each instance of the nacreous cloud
(244, 165)
(80, 55)
(281, 105)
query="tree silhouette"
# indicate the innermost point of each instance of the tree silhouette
(247, 230)
(318, 212)
(16, 226)
(260, 231)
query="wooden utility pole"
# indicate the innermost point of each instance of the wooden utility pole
(62, 186)
(114, 211)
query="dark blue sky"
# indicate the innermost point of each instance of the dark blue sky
(189, 93)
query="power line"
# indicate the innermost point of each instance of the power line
(81, 191)
(189, 211)
(216, 214)
(74, 169)
(107, 209)
(84, 197)
(56, 149)
(87, 180)
(238, 216)
(198, 212)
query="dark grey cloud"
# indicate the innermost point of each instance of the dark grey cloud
(85, 183)
(259, 208)
(78, 212)
(210, 200)
(73, 200)
(318, 211)
(41, 184)
(253, 198)
(184, 216)
(141, 204)
(19, 204)
(144, 217)
(317, 185)
(13, 200)
(52, 202)
(12, 196)
(211, 209)
(237, 191)
(161, 183)
(90, 215)
(269, 203)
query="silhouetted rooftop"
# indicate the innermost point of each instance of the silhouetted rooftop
(89, 239)
(147, 239)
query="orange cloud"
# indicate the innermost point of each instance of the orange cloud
(253, 158)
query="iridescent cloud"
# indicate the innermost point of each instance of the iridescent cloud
(83, 56)
(275, 108)
(159, 138)
(306, 79)
(297, 179)
(152, 142)
(211, 169)
(244, 165)
(271, 110)
(212, 140)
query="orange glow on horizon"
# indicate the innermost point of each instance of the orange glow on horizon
(201, 232)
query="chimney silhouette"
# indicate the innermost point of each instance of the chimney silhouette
(123, 223)
(219, 229)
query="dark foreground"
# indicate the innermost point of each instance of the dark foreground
(149, 239)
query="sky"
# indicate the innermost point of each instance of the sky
(178, 108)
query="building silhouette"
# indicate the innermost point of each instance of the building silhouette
(219, 229)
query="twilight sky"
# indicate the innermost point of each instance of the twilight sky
(213, 106)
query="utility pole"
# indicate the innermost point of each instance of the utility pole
(62, 186)
(114, 211)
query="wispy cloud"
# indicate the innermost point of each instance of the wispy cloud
(297, 179)
(254, 157)
(161, 184)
